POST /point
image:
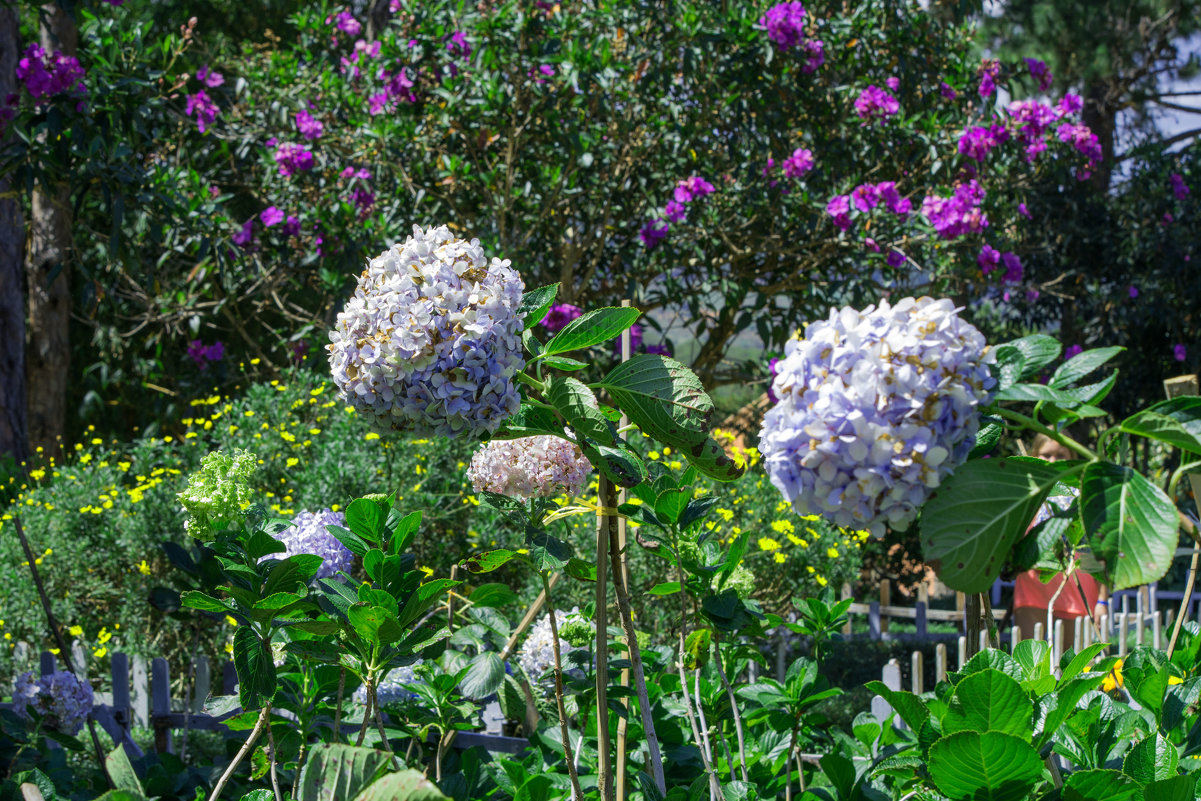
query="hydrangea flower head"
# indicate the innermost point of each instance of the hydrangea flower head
(785, 24)
(393, 688)
(529, 467)
(876, 408)
(537, 655)
(430, 341)
(63, 700)
(219, 490)
(308, 534)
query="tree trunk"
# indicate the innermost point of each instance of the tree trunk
(49, 269)
(1100, 116)
(13, 426)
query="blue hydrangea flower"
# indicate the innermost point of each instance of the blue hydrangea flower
(394, 688)
(875, 409)
(63, 701)
(308, 534)
(430, 341)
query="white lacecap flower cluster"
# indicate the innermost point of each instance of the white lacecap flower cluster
(430, 341)
(62, 700)
(394, 688)
(308, 534)
(875, 409)
(529, 467)
(537, 655)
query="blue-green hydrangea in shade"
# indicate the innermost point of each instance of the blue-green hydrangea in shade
(875, 409)
(219, 490)
(61, 699)
(537, 655)
(308, 534)
(430, 342)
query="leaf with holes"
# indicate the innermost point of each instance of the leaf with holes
(579, 407)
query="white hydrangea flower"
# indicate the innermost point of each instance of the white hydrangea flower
(308, 534)
(63, 700)
(430, 341)
(529, 467)
(537, 654)
(393, 688)
(875, 409)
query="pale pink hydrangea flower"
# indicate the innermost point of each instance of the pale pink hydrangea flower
(529, 467)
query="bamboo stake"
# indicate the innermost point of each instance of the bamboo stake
(604, 783)
(623, 721)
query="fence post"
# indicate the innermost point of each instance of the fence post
(1123, 624)
(160, 693)
(919, 672)
(46, 663)
(1057, 646)
(120, 674)
(919, 619)
(873, 620)
(1038, 633)
(229, 678)
(844, 595)
(1015, 637)
(203, 674)
(1141, 609)
(962, 653)
(891, 676)
(141, 692)
(1156, 630)
(1078, 642)
(1103, 624)
(940, 662)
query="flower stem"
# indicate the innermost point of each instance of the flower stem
(1034, 425)
(264, 716)
(578, 794)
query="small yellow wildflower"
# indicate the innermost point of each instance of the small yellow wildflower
(144, 568)
(780, 557)
(75, 631)
(768, 544)
(832, 553)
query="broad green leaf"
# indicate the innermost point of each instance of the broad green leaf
(620, 465)
(484, 677)
(1033, 393)
(671, 503)
(263, 544)
(1162, 428)
(1038, 350)
(579, 408)
(1185, 410)
(372, 560)
(366, 519)
(276, 602)
(1177, 788)
(375, 624)
(256, 671)
(338, 772)
(1145, 676)
(286, 574)
(194, 599)
(989, 701)
(122, 773)
(353, 542)
(547, 552)
(841, 773)
(909, 707)
(988, 766)
(1100, 785)
(666, 400)
(1132, 524)
(425, 597)
(407, 785)
(986, 439)
(592, 328)
(666, 588)
(1067, 697)
(970, 523)
(494, 596)
(563, 363)
(1081, 365)
(1007, 369)
(315, 651)
(259, 795)
(488, 561)
(580, 569)
(1151, 759)
(536, 303)
(404, 531)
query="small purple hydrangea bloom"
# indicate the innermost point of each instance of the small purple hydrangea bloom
(560, 315)
(308, 535)
(61, 699)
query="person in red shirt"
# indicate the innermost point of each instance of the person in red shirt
(1032, 598)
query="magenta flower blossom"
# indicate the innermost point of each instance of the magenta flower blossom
(1132, 291)
(560, 315)
(457, 44)
(815, 55)
(800, 162)
(271, 217)
(785, 24)
(1041, 73)
(653, 233)
(202, 354)
(210, 78)
(203, 108)
(1073, 351)
(893, 201)
(1179, 188)
(1024, 211)
(309, 126)
(291, 226)
(1180, 352)
(674, 211)
(691, 188)
(865, 197)
(293, 158)
(345, 22)
(246, 235)
(839, 207)
(658, 350)
(989, 259)
(46, 74)
(1081, 137)
(895, 258)
(959, 214)
(893, 82)
(1071, 104)
(1032, 118)
(989, 70)
(977, 141)
(1013, 268)
(875, 104)
(947, 91)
